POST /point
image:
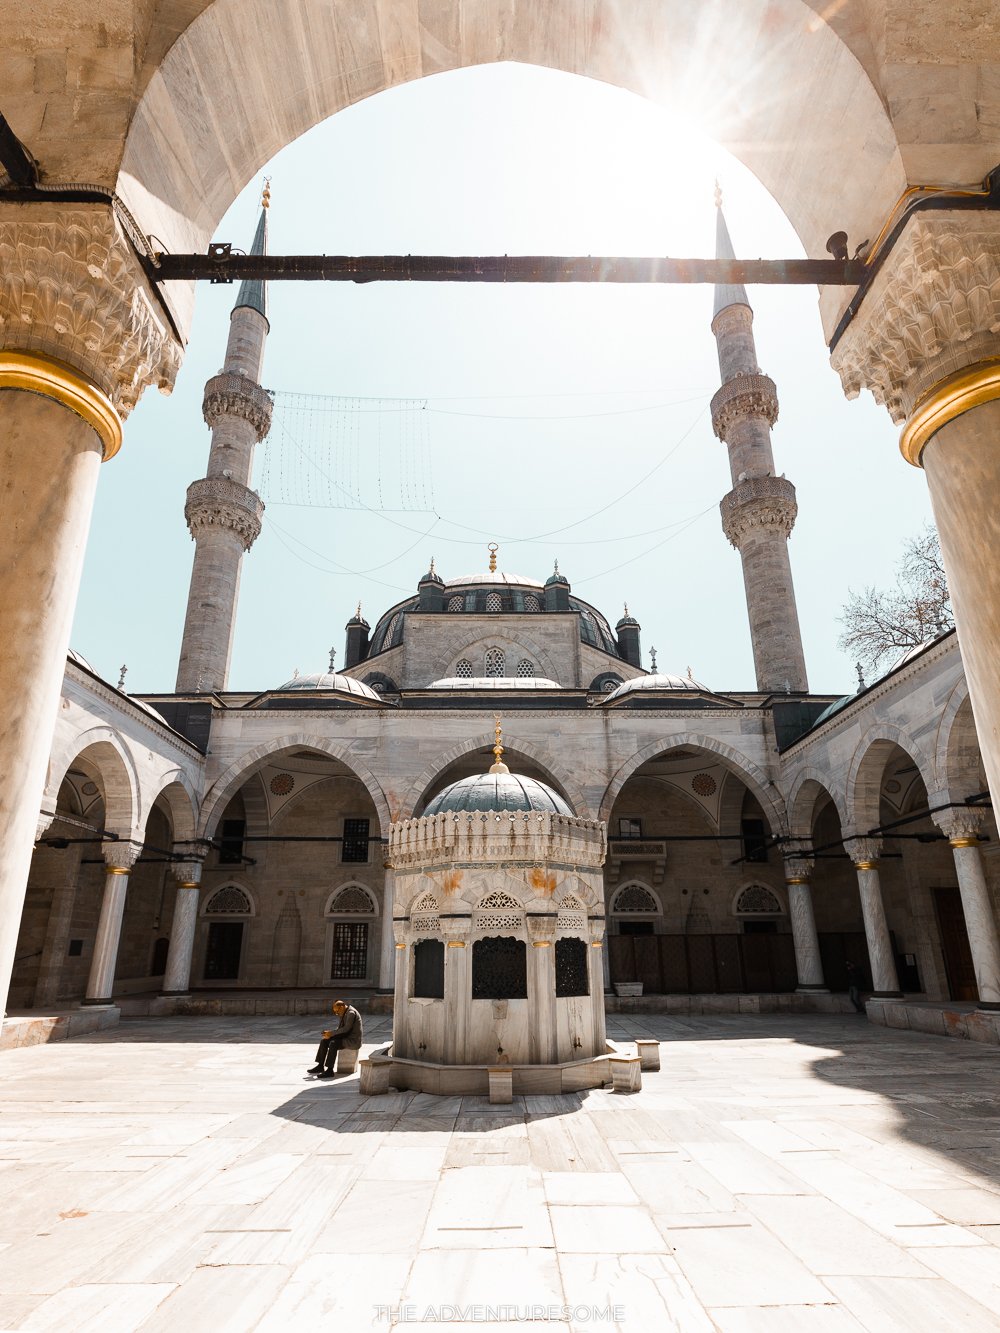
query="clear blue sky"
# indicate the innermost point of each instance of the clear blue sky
(528, 409)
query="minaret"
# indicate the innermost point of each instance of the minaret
(759, 512)
(222, 513)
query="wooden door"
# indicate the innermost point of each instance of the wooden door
(955, 945)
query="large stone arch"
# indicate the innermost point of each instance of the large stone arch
(224, 787)
(806, 787)
(107, 753)
(745, 769)
(864, 776)
(216, 106)
(420, 789)
(176, 793)
(957, 756)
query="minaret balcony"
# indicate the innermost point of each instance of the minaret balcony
(221, 502)
(758, 503)
(750, 395)
(228, 395)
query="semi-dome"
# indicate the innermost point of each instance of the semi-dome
(831, 709)
(497, 792)
(328, 680)
(658, 681)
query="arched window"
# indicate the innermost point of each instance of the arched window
(230, 900)
(758, 900)
(428, 970)
(525, 668)
(571, 967)
(494, 602)
(531, 602)
(456, 603)
(464, 669)
(499, 968)
(634, 898)
(351, 899)
(495, 662)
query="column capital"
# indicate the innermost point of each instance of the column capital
(864, 852)
(120, 857)
(72, 291)
(799, 866)
(541, 928)
(187, 873)
(930, 313)
(961, 826)
(46, 818)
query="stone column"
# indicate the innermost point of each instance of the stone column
(119, 858)
(541, 988)
(457, 988)
(387, 951)
(598, 979)
(81, 335)
(864, 852)
(962, 830)
(808, 964)
(177, 974)
(924, 343)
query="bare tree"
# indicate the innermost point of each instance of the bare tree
(879, 624)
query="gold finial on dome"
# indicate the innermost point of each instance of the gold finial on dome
(265, 198)
(493, 548)
(498, 766)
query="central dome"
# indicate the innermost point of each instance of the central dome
(497, 791)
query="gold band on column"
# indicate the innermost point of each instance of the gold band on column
(948, 399)
(117, 870)
(189, 884)
(799, 879)
(964, 842)
(866, 865)
(54, 379)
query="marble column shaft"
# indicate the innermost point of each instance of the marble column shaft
(120, 858)
(387, 949)
(885, 982)
(808, 963)
(962, 829)
(457, 984)
(177, 974)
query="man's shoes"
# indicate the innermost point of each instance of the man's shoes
(316, 1069)
(327, 1073)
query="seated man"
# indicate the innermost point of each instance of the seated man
(349, 1033)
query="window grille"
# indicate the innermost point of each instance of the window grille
(756, 899)
(464, 669)
(456, 603)
(531, 602)
(352, 899)
(228, 901)
(525, 668)
(354, 848)
(494, 602)
(634, 898)
(495, 660)
(571, 967)
(350, 951)
(428, 969)
(499, 968)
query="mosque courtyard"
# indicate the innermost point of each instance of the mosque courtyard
(781, 1173)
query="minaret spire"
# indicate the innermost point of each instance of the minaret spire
(759, 512)
(222, 512)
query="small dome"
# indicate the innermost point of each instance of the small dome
(497, 791)
(556, 577)
(494, 683)
(328, 680)
(627, 621)
(432, 576)
(660, 681)
(357, 619)
(908, 655)
(80, 660)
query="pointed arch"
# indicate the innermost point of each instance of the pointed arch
(426, 785)
(767, 793)
(224, 787)
(107, 753)
(180, 799)
(864, 776)
(957, 754)
(806, 788)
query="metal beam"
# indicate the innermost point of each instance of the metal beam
(221, 264)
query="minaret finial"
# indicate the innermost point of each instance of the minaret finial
(493, 548)
(555, 566)
(333, 654)
(498, 765)
(718, 193)
(652, 658)
(265, 198)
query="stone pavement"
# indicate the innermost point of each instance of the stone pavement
(801, 1173)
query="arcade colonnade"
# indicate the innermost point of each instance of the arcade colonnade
(879, 99)
(161, 869)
